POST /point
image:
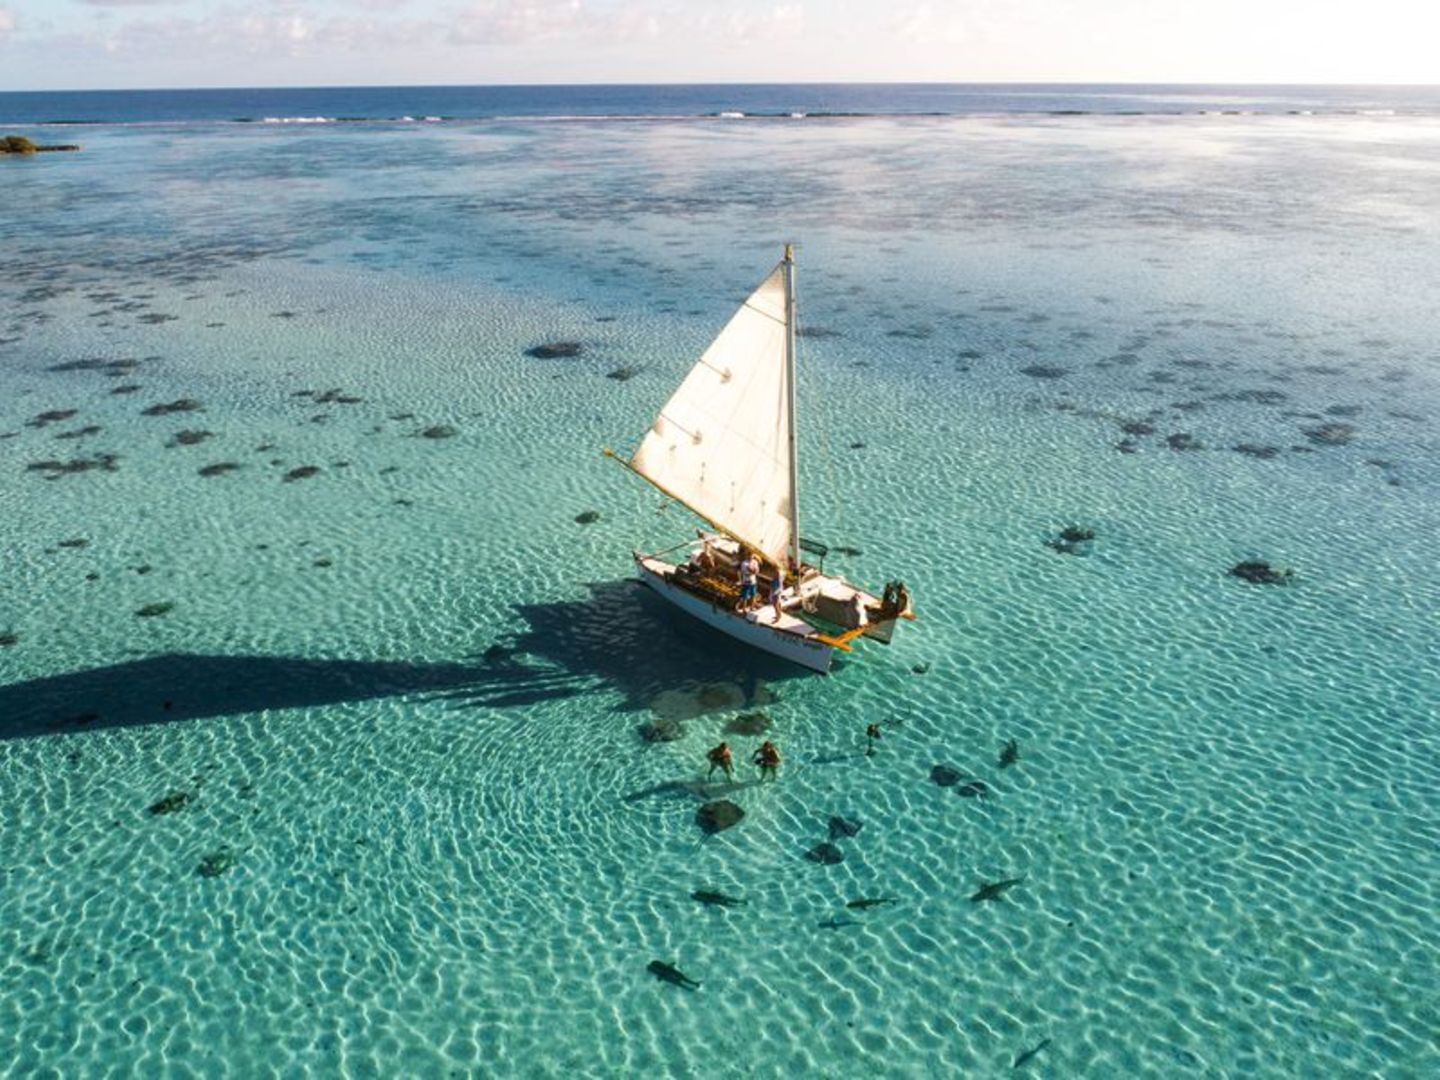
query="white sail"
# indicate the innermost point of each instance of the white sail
(721, 444)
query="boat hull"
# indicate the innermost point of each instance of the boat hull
(805, 651)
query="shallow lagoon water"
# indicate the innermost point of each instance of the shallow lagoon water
(444, 856)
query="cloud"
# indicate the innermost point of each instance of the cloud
(7, 21)
(125, 3)
(287, 29)
(517, 22)
(781, 21)
(923, 25)
(507, 22)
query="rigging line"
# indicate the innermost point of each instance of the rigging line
(835, 502)
(762, 312)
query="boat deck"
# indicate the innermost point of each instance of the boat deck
(723, 591)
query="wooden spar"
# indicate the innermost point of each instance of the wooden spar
(789, 264)
(671, 495)
(841, 641)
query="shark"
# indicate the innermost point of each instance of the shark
(716, 899)
(993, 890)
(671, 974)
(1024, 1058)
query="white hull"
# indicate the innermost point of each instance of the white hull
(793, 639)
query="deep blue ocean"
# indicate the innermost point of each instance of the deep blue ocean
(753, 100)
(337, 738)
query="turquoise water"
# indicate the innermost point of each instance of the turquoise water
(435, 856)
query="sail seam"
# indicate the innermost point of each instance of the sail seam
(763, 313)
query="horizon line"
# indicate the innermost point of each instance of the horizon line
(748, 82)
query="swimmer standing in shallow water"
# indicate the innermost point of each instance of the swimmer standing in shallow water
(719, 758)
(768, 758)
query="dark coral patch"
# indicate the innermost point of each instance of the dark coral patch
(50, 416)
(113, 368)
(150, 611)
(9, 638)
(81, 433)
(300, 473)
(167, 407)
(439, 431)
(56, 469)
(1330, 434)
(556, 350)
(587, 517)
(329, 397)
(189, 438)
(624, 374)
(1044, 371)
(1183, 440)
(220, 468)
(1264, 453)
(1260, 573)
(1253, 397)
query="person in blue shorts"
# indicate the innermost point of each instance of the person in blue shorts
(749, 574)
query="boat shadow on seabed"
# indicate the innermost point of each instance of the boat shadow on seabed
(624, 638)
(618, 638)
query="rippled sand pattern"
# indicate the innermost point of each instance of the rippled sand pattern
(351, 615)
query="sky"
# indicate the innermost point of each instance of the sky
(96, 44)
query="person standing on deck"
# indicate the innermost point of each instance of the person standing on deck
(749, 571)
(777, 587)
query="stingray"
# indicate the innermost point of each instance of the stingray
(826, 854)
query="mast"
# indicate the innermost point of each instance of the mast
(789, 264)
